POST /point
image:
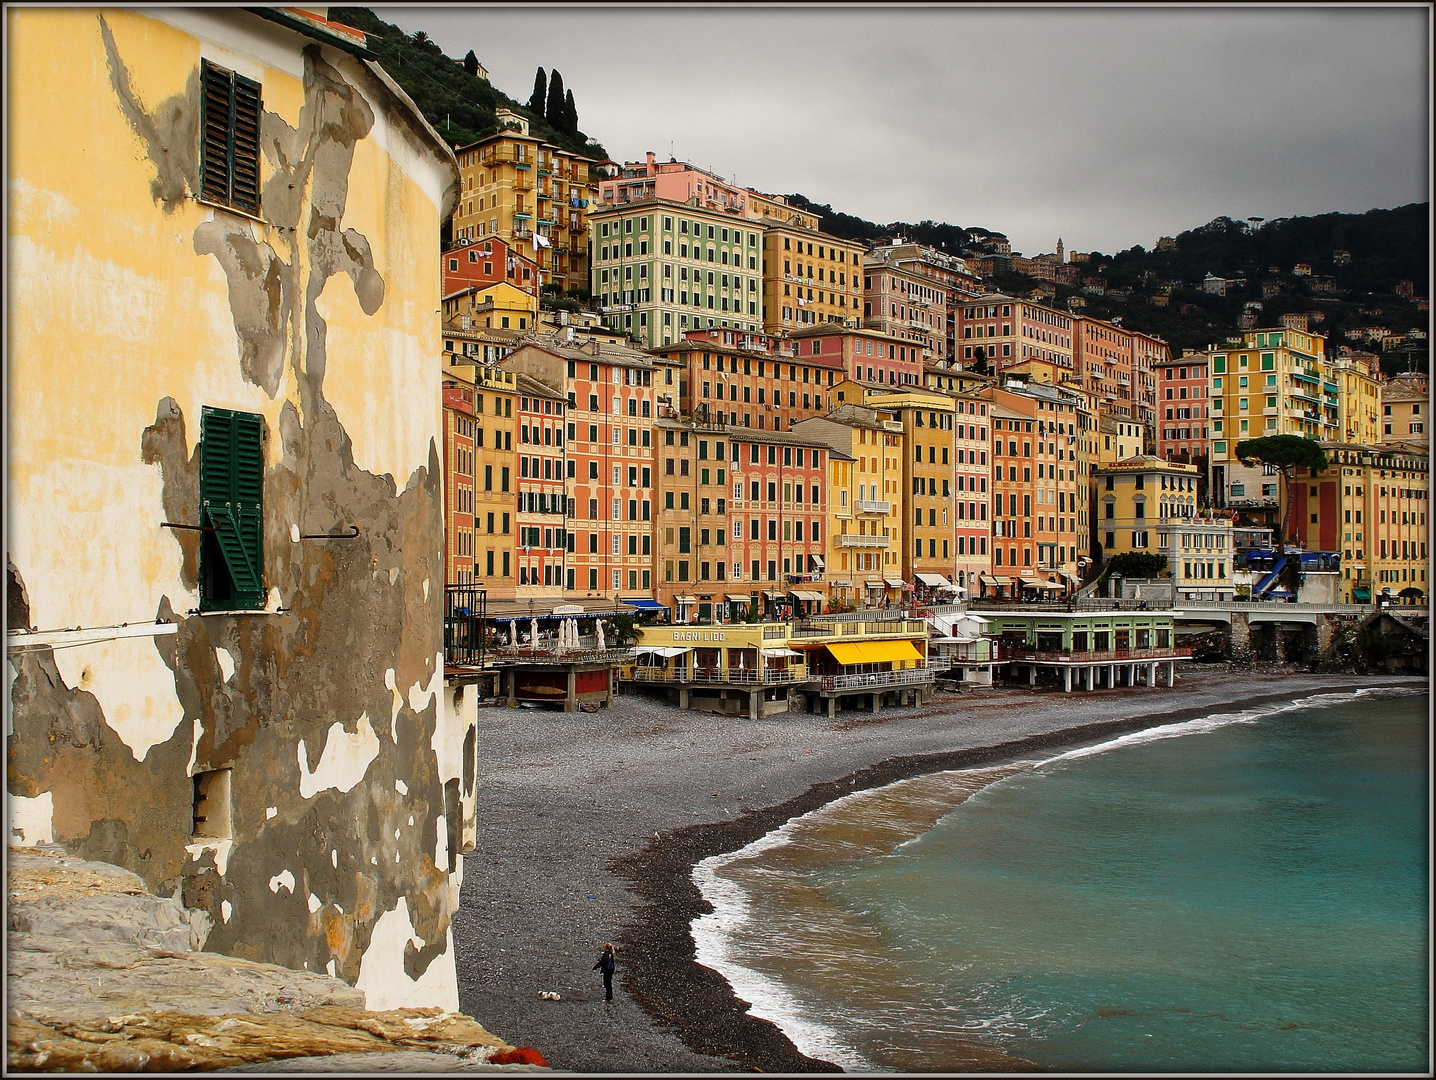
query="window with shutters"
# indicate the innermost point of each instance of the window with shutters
(229, 142)
(231, 491)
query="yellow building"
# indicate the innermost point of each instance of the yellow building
(532, 195)
(1370, 506)
(499, 306)
(1358, 376)
(1277, 381)
(1404, 407)
(865, 544)
(809, 277)
(929, 485)
(227, 538)
(495, 477)
(1139, 497)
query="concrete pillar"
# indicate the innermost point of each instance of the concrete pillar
(1111, 676)
(832, 707)
(683, 693)
(513, 686)
(1031, 674)
(570, 702)
(1091, 677)
(877, 703)
(1067, 679)
(1151, 674)
(755, 704)
(1171, 673)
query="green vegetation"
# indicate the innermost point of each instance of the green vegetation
(451, 95)
(1286, 453)
(1137, 564)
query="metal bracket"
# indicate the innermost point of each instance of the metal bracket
(353, 532)
(191, 528)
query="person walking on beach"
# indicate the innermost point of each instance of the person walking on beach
(605, 965)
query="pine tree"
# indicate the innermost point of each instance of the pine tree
(570, 114)
(554, 112)
(471, 63)
(536, 99)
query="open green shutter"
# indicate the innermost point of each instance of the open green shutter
(231, 483)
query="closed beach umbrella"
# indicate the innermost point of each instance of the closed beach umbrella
(601, 644)
(533, 632)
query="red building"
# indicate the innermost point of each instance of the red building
(459, 478)
(1182, 408)
(777, 518)
(483, 263)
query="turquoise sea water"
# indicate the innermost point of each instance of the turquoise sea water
(1247, 892)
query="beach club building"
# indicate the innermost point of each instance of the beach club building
(1089, 649)
(777, 667)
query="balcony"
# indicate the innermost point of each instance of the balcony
(905, 677)
(873, 506)
(730, 676)
(553, 653)
(848, 540)
(1103, 656)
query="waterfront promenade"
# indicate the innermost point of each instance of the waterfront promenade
(577, 816)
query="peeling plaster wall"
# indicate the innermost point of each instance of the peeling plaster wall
(329, 708)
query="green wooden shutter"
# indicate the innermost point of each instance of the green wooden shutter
(231, 485)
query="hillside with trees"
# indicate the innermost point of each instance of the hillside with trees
(455, 98)
(1354, 269)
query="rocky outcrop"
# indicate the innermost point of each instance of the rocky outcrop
(103, 977)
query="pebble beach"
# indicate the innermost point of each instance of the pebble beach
(590, 824)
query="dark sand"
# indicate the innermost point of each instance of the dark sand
(589, 825)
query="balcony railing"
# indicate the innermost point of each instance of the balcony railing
(848, 540)
(1103, 656)
(465, 626)
(550, 654)
(745, 676)
(907, 676)
(873, 506)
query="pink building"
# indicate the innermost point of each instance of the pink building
(971, 476)
(674, 180)
(1183, 407)
(879, 360)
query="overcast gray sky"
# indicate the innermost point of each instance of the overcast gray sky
(1107, 127)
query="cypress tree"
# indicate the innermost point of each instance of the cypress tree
(536, 99)
(554, 113)
(471, 63)
(570, 114)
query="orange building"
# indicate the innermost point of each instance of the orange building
(752, 380)
(542, 508)
(459, 467)
(609, 438)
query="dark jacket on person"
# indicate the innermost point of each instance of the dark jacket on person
(605, 964)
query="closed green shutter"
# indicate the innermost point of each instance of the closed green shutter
(231, 489)
(229, 141)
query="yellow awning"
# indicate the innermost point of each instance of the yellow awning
(874, 652)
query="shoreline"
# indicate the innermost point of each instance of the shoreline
(591, 823)
(663, 974)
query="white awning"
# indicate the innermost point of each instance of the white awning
(817, 561)
(781, 652)
(895, 583)
(739, 598)
(936, 581)
(801, 594)
(687, 599)
(663, 650)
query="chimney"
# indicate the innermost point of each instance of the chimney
(650, 157)
(593, 346)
